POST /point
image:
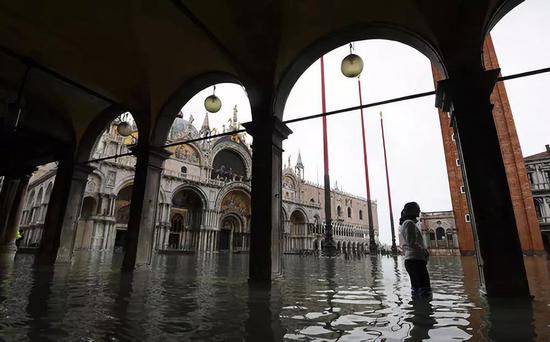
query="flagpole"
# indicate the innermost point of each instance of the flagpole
(393, 245)
(329, 247)
(372, 243)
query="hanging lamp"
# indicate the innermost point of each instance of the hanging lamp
(352, 64)
(124, 127)
(212, 103)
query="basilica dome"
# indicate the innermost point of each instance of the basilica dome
(182, 128)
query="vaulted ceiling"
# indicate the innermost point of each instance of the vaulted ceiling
(138, 53)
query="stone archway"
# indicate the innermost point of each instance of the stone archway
(230, 239)
(122, 216)
(298, 231)
(186, 218)
(234, 234)
(85, 226)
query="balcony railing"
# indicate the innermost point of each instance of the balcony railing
(204, 180)
(540, 186)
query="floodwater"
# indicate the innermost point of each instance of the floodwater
(207, 298)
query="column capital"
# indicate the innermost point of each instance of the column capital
(467, 89)
(155, 155)
(82, 171)
(271, 127)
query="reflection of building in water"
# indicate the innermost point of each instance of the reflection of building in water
(538, 171)
(439, 232)
(204, 200)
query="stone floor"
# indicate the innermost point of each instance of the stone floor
(207, 298)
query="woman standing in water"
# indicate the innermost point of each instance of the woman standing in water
(414, 248)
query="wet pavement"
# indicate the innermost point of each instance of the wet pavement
(207, 298)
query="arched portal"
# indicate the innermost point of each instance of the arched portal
(298, 231)
(122, 215)
(122, 205)
(85, 227)
(234, 232)
(229, 234)
(176, 229)
(186, 219)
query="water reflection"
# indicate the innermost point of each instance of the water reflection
(511, 320)
(208, 298)
(421, 320)
(264, 306)
(37, 307)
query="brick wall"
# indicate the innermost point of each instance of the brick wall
(520, 189)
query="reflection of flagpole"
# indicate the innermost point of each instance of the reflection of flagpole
(393, 246)
(372, 242)
(329, 247)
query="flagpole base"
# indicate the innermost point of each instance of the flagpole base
(373, 248)
(329, 248)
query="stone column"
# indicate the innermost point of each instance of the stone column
(266, 230)
(7, 196)
(491, 210)
(8, 231)
(216, 239)
(77, 186)
(143, 206)
(106, 235)
(63, 211)
(213, 242)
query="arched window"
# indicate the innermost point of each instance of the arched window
(339, 211)
(88, 208)
(538, 208)
(450, 241)
(228, 165)
(184, 170)
(174, 238)
(440, 233)
(122, 204)
(349, 212)
(177, 223)
(360, 214)
(433, 242)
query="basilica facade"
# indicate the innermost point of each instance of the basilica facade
(203, 202)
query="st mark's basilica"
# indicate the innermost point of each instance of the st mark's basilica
(204, 198)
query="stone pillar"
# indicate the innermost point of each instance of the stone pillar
(491, 210)
(266, 226)
(143, 206)
(77, 186)
(7, 196)
(63, 212)
(10, 222)
(211, 248)
(106, 235)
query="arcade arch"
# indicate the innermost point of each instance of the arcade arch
(300, 239)
(234, 225)
(186, 215)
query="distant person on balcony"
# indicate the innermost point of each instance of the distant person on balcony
(416, 253)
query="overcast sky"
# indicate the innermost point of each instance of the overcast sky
(413, 136)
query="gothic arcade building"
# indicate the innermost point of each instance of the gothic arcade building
(204, 199)
(538, 171)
